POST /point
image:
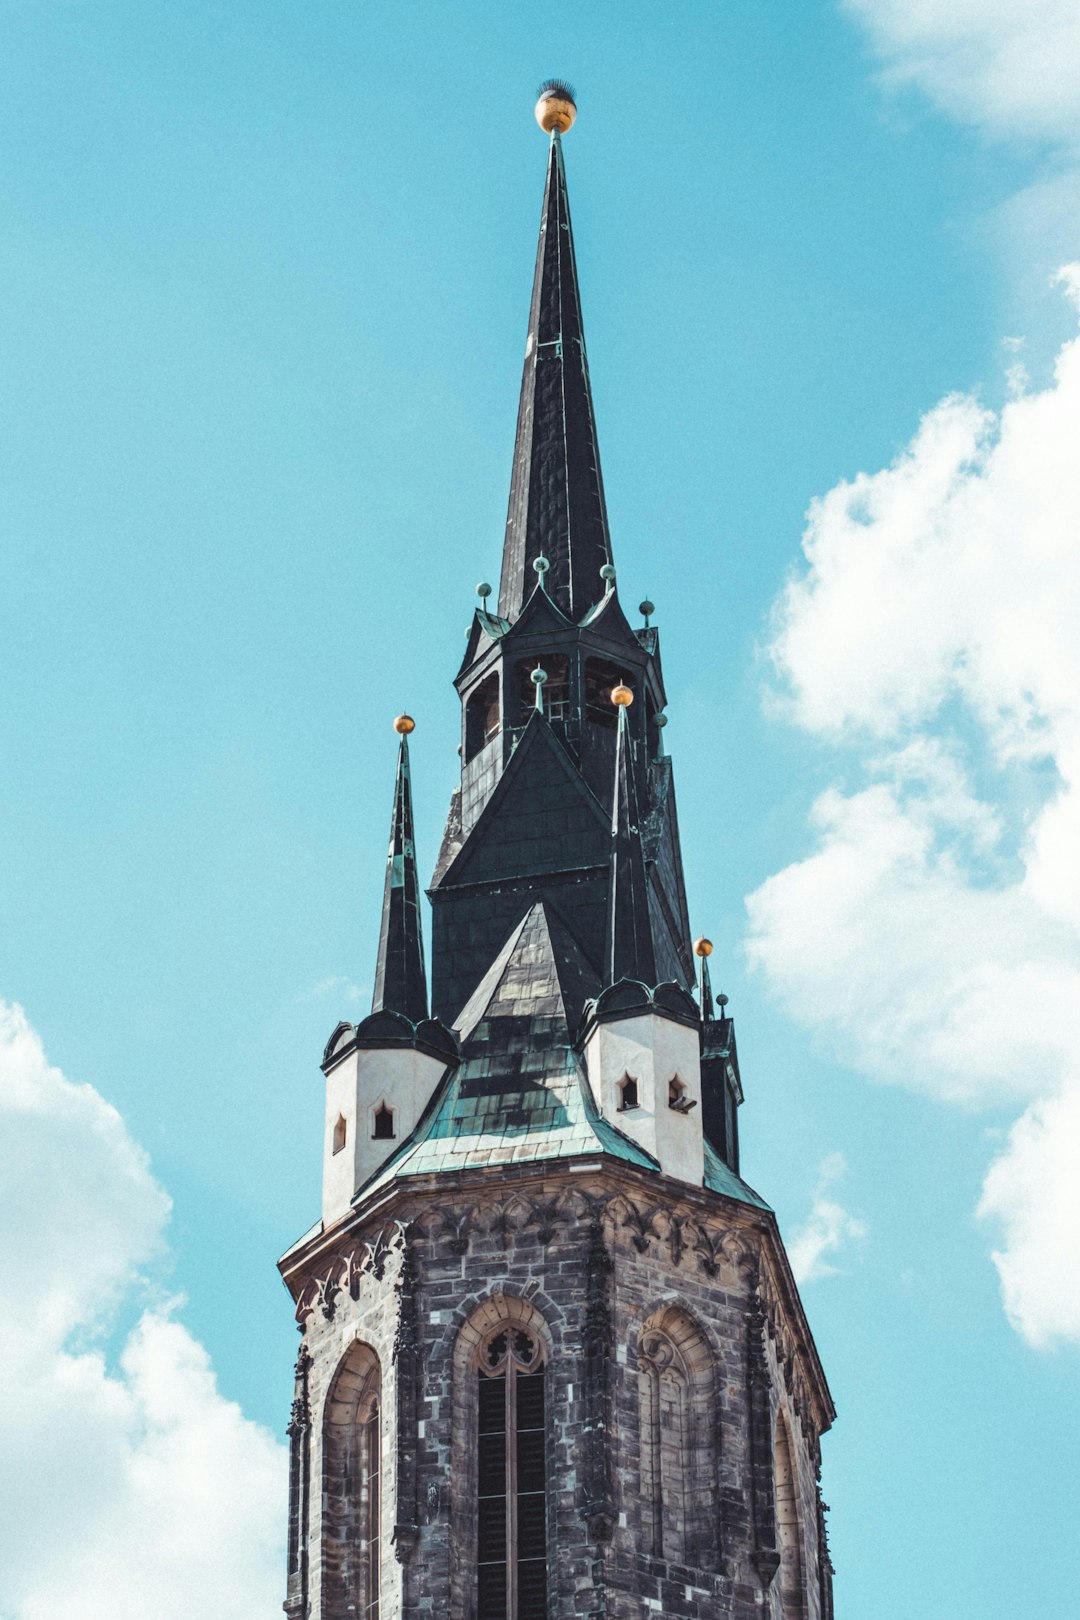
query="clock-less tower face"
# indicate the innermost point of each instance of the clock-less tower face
(553, 1362)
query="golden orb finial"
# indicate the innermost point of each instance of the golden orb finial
(621, 696)
(404, 724)
(703, 946)
(556, 108)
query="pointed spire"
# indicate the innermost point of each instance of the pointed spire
(556, 493)
(400, 980)
(629, 948)
(703, 949)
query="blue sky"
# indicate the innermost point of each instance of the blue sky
(265, 283)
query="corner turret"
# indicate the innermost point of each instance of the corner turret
(381, 1072)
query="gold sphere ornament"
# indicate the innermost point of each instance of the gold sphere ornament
(621, 696)
(556, 108)
(404, 724)
(703, 946)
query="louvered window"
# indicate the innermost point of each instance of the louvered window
(512, 1479)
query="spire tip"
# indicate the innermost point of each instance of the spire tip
(557, 107)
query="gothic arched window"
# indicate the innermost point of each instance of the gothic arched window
(788, 1538)
(511, 1477)
(678, 1438)
(352, 1488)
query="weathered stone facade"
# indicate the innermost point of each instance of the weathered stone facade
(592, 1256)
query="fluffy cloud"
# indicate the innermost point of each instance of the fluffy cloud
(828, 1229)
(934, 930)
(1009, 66)
(129, 1491)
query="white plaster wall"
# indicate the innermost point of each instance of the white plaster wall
(401, 1077)
(652, 1050)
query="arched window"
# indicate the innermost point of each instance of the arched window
(481, 716)
(600, 680)
(678, 1452)
(382, 1125)
(556, 667)
(341, 1131)
(352, 1488)
(511, 1538)
(788, 1538)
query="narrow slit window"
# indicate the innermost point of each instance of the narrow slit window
(341, 1133)
(511, 1478)
(384, 1123)
(677, 1097)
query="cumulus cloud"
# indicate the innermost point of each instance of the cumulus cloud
(934, 929)
(829, 1228)
(126, 1490)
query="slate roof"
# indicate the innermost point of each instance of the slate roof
(400, 979)
(557, 504)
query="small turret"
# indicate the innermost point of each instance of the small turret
(642, 1040)
(721, 1088)
(381, 1072)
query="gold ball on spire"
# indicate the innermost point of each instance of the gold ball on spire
(621, 696)
(703, 946)
(556, 108)
(404, 724)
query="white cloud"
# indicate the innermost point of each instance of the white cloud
(339, 987)
(1010, 69)
(131, 1491)
(1009, 66)
(934, 930)
(827, 1229)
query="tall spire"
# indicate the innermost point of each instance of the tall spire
(400, 980)
(557, 505)
(629, 950)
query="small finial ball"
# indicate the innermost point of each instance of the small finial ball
(556, 108)
(538, 676)
(483, 590)
(541, 566)
(721, 1001)
(646, 608)
(659, 720)
(703, 946)
(404, 724)
(621, 696)
(608, 572)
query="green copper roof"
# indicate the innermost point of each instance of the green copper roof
(521, 1092)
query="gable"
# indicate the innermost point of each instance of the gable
(540, 819)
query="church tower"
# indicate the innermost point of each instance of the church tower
(553, 1362)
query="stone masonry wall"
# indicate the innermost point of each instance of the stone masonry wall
(589, 1258)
